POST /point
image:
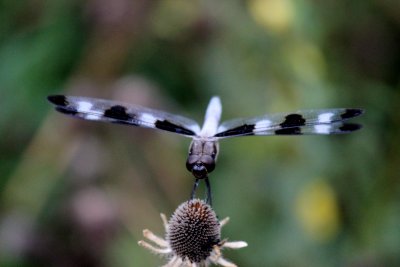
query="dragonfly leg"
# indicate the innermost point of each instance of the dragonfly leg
(209, 195)
(196, 184)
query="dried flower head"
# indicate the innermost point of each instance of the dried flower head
(193, 237)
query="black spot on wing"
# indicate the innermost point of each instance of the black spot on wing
(289, 131)
(246, 129)
(59, 100)
(68, 111)
(349, 127)
(293, 120)
(171, 127)
(117, 112)
(350, 113)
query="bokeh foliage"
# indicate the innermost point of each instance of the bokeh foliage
(75, 193)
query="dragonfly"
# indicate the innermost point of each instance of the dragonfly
(204, 147)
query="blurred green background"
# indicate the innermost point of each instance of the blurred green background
(77, 193)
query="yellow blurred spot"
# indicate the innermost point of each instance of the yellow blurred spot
(306, 60)
(317, 211)
(274, 15)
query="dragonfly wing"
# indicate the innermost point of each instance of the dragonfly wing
(319, 121)
(122, 113)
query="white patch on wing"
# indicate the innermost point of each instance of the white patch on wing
(147, 117)
(211, 120)
(84, 106)
(221, 128)
(325, 117)
(92, 117)
(194, 127)
(262, 124)
(322, 129)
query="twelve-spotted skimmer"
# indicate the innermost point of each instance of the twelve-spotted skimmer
(203, 149)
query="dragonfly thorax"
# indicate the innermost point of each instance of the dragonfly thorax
(201, 159)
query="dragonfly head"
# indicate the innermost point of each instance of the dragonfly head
(201, 159)
(200, 169)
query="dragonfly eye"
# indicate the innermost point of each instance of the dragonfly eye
(208, 162)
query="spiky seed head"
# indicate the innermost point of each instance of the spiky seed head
(193, 230)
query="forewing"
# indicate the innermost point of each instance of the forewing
(320, 121)
(95, 109)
